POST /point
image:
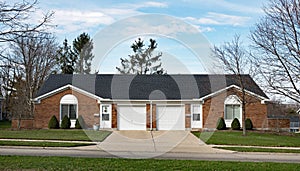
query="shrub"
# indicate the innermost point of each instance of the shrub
(235, 125)
(65, 123)
(79, 123)
(248, 124)
(53, 123)
(221, 124)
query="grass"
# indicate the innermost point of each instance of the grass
(268, 150)
(5, 124)
(69, 163)
(252, 139)
(55, 134)
(42, 144)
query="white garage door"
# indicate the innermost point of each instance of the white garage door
(170, 117)
(132, 117)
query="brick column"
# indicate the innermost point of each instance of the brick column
(187, 116)
(154, 117)
(114, 116)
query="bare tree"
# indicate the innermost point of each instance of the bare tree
(32, 58)
(15, 17)
(234, 59)
(277, 41)
(7, 83)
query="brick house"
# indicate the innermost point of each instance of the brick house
(149, 102)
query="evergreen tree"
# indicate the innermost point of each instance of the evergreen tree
(66, 58)
(143, 61)
(82, 47)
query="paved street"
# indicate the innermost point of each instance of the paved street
(145, 144)
(94, 153)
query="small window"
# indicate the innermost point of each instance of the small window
(104, 109)
(196, 117)
(105, 117)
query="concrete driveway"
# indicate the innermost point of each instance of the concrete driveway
(146, 144)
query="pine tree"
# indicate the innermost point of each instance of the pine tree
(66, 58)
(82, 47)
(143, 61)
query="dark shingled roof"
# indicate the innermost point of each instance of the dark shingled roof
(146, 87)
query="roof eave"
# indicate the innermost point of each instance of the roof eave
(68, 86)
(233, 86)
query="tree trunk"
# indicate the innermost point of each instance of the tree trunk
(244, 118)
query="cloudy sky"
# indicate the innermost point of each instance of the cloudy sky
(171, 23)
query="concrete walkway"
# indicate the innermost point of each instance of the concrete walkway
(156, 143)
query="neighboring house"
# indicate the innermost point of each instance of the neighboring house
(149, 102)
(294, 124)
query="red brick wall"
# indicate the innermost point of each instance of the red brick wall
(114, 116)
(213, 108)
(148, 120)
(25, 123)
(154, 116)
(187, 116)
(50, 106)
(273, 123)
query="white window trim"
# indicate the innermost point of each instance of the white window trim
(233, 100)
(67, 103)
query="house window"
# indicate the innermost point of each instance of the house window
(196, 117)
(104, 109)
(232, 111)
(196, 112)
(105, 117)
(232, 108)
(68, 107)
(69, 110)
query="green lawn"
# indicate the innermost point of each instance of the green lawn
(55, 134)
(69, 163)
(5, 124)
(252, 138)
(252, 149)
(42, 144)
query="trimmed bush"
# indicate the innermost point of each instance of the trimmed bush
(79, 123)
(53, 123)
(221, 124)
(65, 123)
(248, 124)
(235, 125)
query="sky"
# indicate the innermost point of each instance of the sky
(184, 29)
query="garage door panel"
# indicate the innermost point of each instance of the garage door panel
(170, 117)
(132, 117)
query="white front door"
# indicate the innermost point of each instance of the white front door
(105, 116)
(196, 118)
(170, 117)
(132, 117)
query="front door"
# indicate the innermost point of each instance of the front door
(196, 116)
(105, 116)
